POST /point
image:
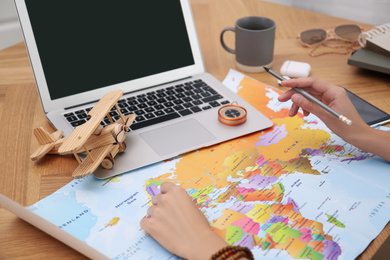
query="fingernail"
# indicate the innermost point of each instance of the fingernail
(285, 81)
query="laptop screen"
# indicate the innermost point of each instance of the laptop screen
(85, 45)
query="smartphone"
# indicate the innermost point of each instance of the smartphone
(372, 115)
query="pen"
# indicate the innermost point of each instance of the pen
(311, 98)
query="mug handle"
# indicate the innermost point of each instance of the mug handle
(223, 43)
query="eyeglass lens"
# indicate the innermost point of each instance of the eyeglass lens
(313, 36)
(348, 32)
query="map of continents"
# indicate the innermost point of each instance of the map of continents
(238, 184)
(294, 191)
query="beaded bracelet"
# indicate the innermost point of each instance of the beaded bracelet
(232, 253)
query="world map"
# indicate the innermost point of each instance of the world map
(294, 191)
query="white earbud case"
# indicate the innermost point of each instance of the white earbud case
(295, 69)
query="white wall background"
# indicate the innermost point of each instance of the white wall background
(10, 32)
(375, 12)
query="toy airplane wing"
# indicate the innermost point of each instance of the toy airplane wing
(91, 162)
(81, 133)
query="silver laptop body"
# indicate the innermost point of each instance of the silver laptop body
(81, 50)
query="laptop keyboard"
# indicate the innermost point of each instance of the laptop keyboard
(159, 106)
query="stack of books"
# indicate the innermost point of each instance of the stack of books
(375, 51)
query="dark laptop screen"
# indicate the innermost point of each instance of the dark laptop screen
(84, 45)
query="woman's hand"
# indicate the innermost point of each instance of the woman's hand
(358, 134)
(333, 96)
(179, 226)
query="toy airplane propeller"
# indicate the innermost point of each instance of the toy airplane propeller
(100, 144)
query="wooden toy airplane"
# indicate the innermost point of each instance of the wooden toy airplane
(100, 144)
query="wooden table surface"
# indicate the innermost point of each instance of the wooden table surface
(20, 110)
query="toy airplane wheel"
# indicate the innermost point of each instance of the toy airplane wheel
(108, 163)
(232, 114)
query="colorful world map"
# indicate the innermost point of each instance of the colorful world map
(293, 191)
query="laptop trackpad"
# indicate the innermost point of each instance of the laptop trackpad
(177, 137)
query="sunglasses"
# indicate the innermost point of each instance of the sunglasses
(348, 33)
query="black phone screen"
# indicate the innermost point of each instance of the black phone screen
(370, 114)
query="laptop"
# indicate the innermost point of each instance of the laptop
(81, 50)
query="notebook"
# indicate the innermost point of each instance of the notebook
(81, 50)
(367, 59)
(377, 39)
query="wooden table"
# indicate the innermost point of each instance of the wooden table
(20, 111)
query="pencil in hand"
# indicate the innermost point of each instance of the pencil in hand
(311, 98)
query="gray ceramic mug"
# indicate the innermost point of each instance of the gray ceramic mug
(255, 39)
